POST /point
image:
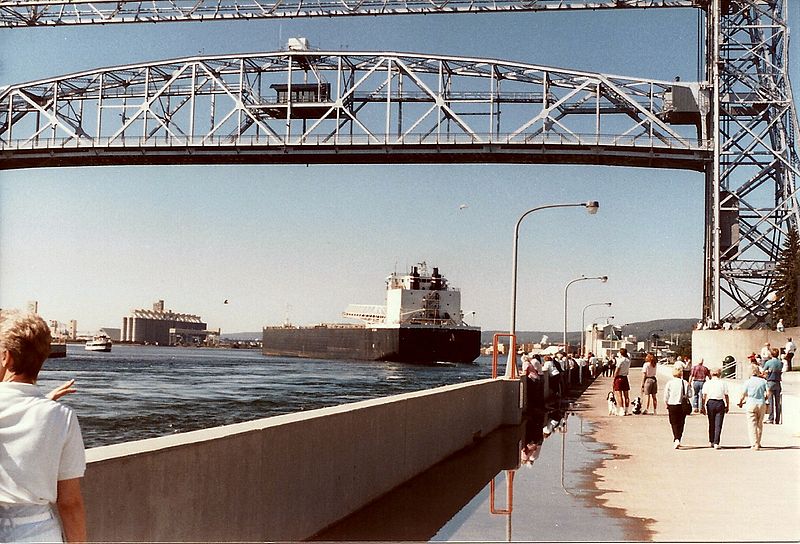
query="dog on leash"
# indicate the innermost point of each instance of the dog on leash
(636, 405)
(612, 404)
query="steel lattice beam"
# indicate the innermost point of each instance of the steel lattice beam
(344, 107)
(751, 183)
(21, 13)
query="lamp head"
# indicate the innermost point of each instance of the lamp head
(592, 207)
(608, 304)
(604, 279)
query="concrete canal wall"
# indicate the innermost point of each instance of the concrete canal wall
(285, 477)
(714, 345)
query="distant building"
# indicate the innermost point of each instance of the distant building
(73, 329)
(164, 327)
(114, 334)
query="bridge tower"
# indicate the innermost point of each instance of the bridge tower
(751, 191)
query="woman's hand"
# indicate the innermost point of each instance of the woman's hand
(63, 389)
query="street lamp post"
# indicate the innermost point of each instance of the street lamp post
(583, 322)
(566, 290)
(591, 207)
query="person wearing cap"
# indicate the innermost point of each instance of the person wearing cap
(755, 395)
(43, 457)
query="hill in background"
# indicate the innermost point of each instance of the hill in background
(640, 330)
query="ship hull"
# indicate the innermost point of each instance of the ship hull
(403, 344)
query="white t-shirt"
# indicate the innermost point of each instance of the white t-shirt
(715, 389)
(649, 371)
(40, 444)
(790, 347)
(674, 389)
(623, 365)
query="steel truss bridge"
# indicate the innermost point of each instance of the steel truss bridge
(737, 126)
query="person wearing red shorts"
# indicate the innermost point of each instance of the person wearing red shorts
(621, 385)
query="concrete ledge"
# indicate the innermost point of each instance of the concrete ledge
(286, 477)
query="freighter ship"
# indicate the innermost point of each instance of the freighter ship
(421, 322)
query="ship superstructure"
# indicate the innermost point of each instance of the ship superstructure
(422, 321)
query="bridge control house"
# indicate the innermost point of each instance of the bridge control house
(165, 328)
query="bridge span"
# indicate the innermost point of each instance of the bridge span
(25, 13)
(308, 106)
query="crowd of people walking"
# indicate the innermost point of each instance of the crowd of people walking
(697, 389)
(693, 389)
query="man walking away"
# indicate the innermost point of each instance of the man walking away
(790, 348)
(772, 372)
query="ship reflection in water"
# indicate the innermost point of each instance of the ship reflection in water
(496, 491)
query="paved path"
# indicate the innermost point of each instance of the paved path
(698, 493)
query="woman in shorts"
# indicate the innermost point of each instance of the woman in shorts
(649, 383)
(621, 385)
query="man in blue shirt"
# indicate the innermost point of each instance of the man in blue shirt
(772, 372)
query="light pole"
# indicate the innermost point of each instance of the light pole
(566, 290)
(591, 207)
(583, 322)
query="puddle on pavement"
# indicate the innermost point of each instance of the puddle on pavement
(543, 493)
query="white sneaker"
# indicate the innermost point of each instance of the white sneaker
(716, 447)
(676, 444)
(644, 412)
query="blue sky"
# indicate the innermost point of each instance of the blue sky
(93, 243)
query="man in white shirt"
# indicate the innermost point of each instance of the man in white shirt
(790, 348)
(42, 457)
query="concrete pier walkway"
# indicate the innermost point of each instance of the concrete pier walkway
(697, 493)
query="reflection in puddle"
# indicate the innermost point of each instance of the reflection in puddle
(531, 482)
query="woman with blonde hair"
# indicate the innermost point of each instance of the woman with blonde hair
(43, 457)
(649, 382)
(674, 393)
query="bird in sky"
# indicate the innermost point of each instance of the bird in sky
(463, 206)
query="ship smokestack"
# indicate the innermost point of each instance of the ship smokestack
(436, 280)
(414, 278)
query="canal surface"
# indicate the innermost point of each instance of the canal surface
(137, 392)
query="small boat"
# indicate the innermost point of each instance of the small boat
(100, 342)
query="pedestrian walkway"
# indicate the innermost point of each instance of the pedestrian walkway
(697, 493)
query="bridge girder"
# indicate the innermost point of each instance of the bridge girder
(344, 107)
(751, 190)
(25, 13)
